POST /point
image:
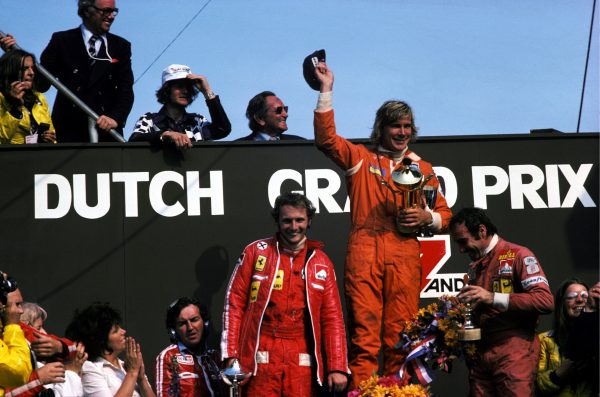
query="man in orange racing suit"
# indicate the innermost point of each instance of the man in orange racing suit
(283, 311)
(383, 271)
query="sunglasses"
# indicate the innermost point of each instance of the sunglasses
(280, 109)
(107, 11)
(572, 295)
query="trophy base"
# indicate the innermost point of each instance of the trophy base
(470, 334)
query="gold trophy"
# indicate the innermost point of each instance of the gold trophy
(469, 332)
(409, 183)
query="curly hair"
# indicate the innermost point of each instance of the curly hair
(163, 94)
(296, 200)
(390, 112)
(91, 326)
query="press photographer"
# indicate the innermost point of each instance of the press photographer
(15, 362)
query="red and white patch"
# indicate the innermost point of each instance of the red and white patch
(531, 265)
(321, 272)
(505, 267)
(185, 359)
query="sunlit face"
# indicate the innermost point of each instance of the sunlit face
(395, 136)
(273, 122)
(189, 326)
(180, 92)
(27, 73)
(474, 247)
(575, 299)
(97, 21)
(116, 339)
(293, 223)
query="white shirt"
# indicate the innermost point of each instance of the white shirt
(102, 379)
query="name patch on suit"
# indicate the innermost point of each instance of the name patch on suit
(185, 359)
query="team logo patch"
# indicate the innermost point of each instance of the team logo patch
(261, 245)
(507, 255)
(254, 287)
(261, 261)
(321, 272)
(503, 285)
(531, 264)
(278, 284)
(185, 359)
(531, 281)
(505, 267)
(373, 169)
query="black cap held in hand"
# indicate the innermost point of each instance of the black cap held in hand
(308, 68)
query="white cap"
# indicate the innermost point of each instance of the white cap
(175, 72)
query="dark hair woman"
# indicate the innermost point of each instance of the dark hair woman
(98, 327)
(24, 114)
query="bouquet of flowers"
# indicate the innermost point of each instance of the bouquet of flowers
(430, 339)
(389, 386)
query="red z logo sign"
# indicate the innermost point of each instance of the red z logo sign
(435, 252)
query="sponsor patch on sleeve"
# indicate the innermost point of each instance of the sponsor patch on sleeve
(261, 261)
(278, 284)
(254, 287)
(320, 272)
(531, 265)
(531, 281)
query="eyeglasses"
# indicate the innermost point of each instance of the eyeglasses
(572, 295)
(107, 11)
(280, 109)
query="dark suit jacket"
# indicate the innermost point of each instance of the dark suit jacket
(283, 137)
(105, 86)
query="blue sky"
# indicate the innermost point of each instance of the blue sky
(466, 66)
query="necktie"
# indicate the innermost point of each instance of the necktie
(92, 47)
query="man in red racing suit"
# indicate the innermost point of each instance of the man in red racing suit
(281, 306)
(508, 291)
(383, 271)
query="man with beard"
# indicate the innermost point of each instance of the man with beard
(508, 291)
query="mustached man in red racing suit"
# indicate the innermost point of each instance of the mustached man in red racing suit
(281, 307)
(508, 291)
(383, 271)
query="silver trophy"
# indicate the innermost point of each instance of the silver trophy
(469, 332)
(232, 376)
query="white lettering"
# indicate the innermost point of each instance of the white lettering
(450, 190)
(323, 195)
(576, 181)
(80, 196)
(552, 186)
(277, 179)
(214, 192)
(155, 193)
(41, 183)
(131, 180)
(520, 189)
(481, 190)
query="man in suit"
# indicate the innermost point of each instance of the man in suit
(96, 66)
(267, 117)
